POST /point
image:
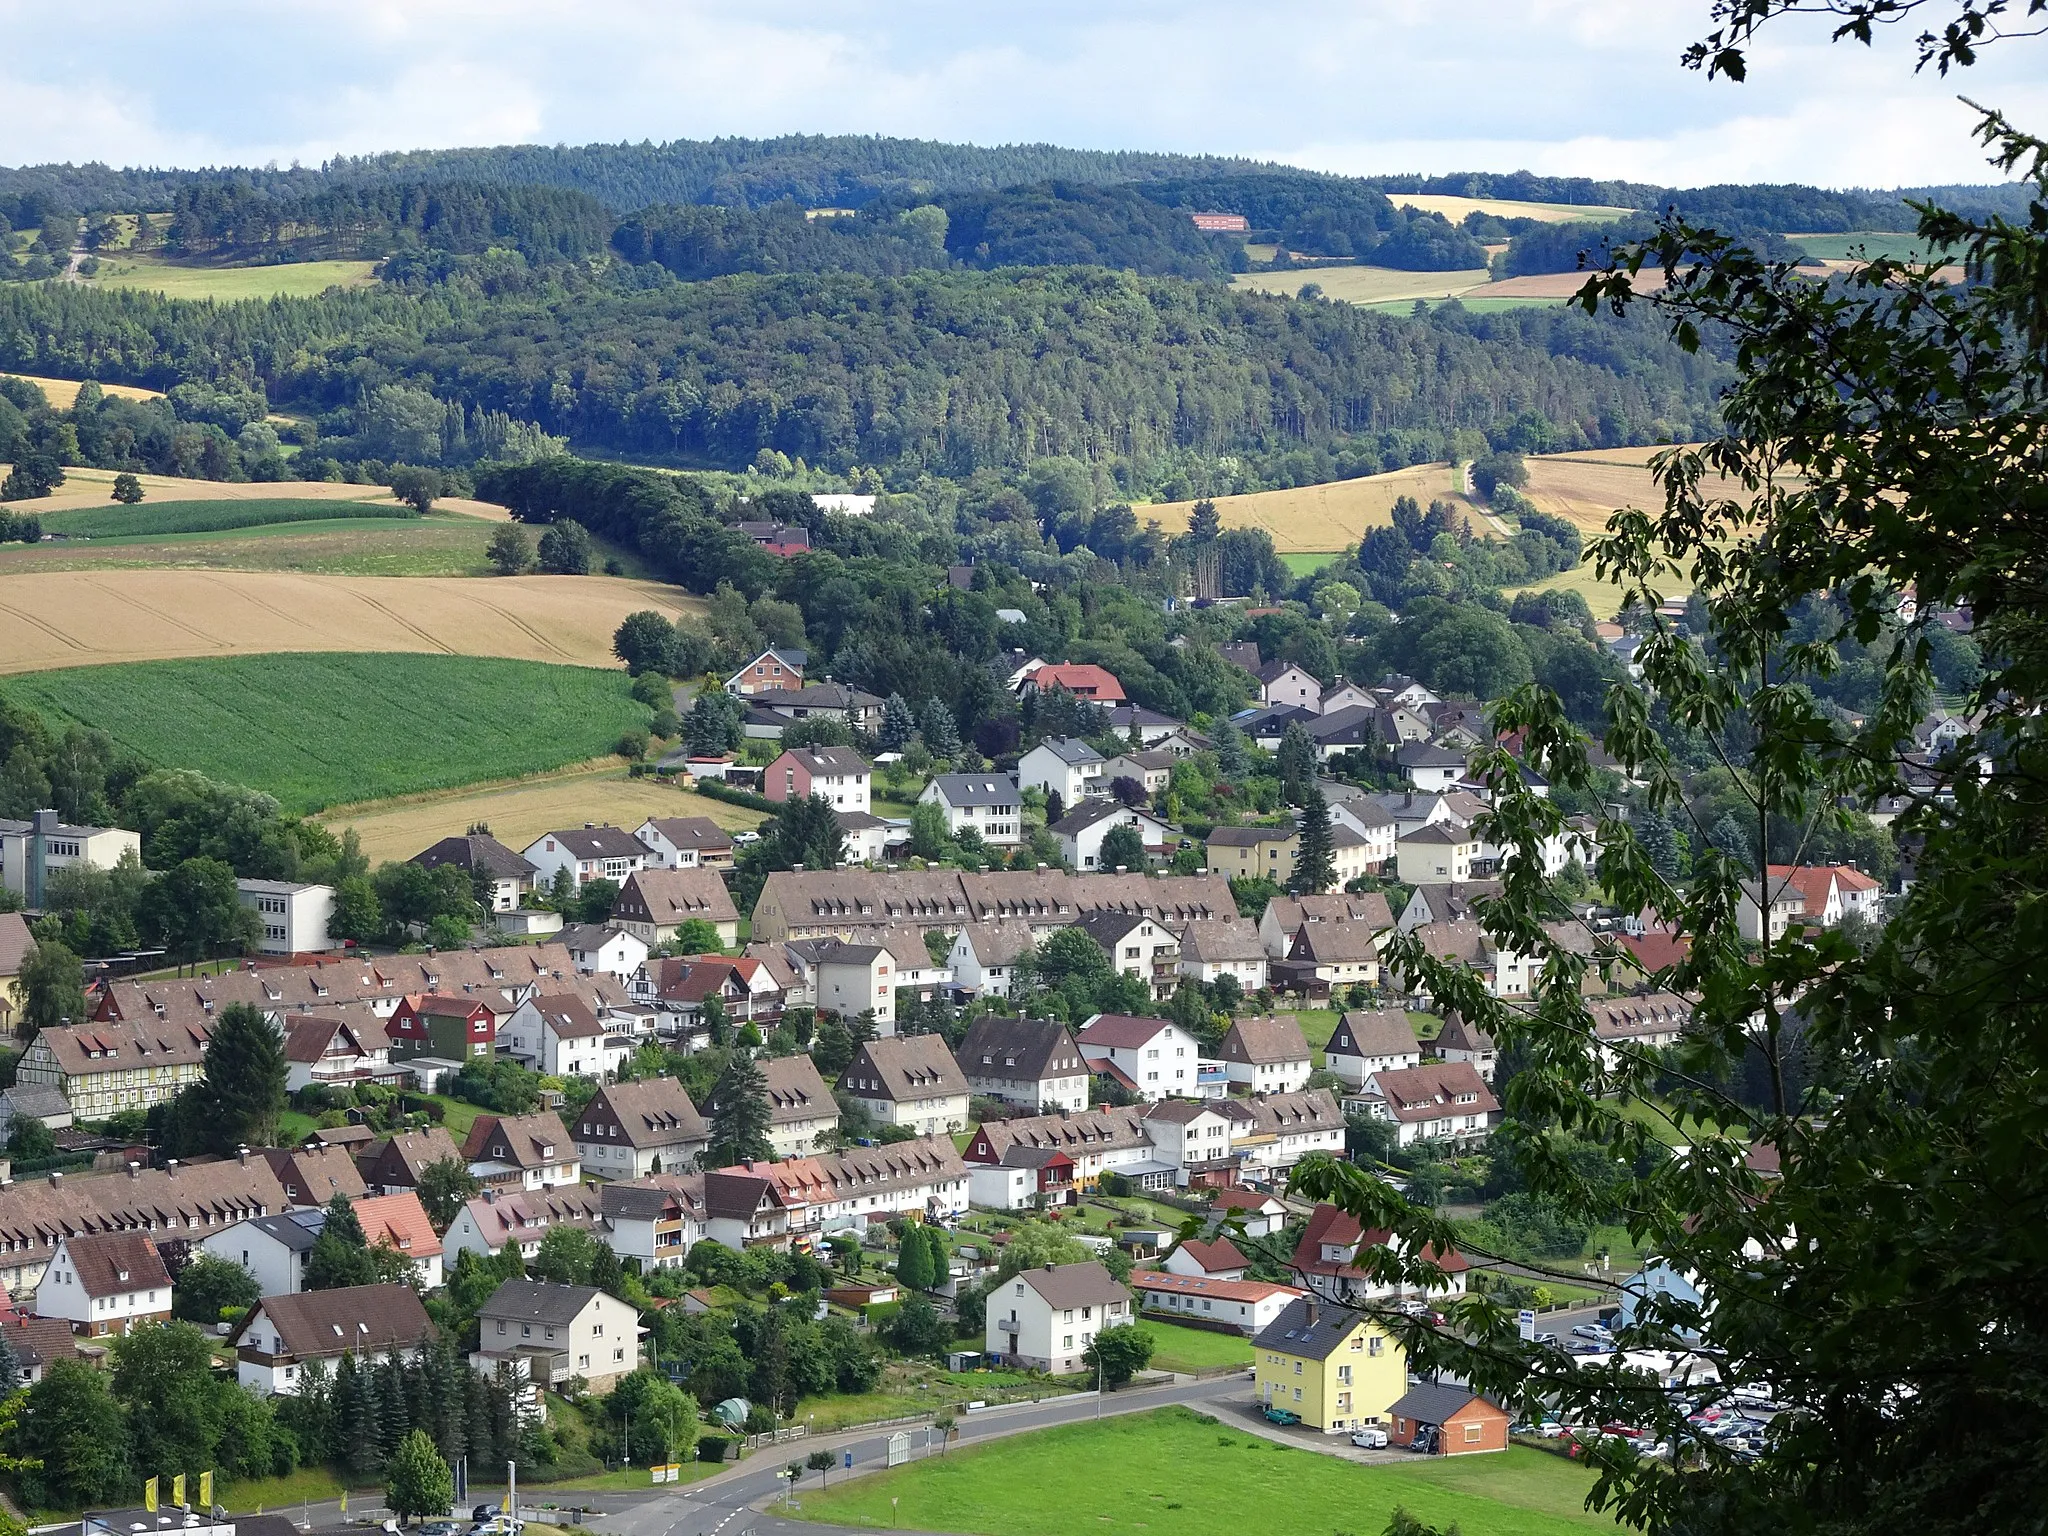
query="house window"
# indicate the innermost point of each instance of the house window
(1472, 1433)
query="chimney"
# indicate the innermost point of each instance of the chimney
(1048, 1268)
(134, 1169)
(1313, 1309)
(242, 1156)
(56, 1180)
(171, 1167)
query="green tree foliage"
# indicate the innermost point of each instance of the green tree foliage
(715, 724)
(1124, 847)
(898, 724)
(419, 1483)
(52, 983)
(193, 910)
(416, 487)
(1314, 854)
(443, 1188)
(565, 549)
(1117, 1354)
(244, 1078)
(208, 1287)
(739, 1114)
(127, 489)
(917, 1329)
(76, 1435)
(510, 550)
(645, 642)
(1037, 1244)
(914, 1261)
(1297, 764)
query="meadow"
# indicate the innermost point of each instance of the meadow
(1864, 244)
(181, 280)
(320, 730)
(518, 813)
(75, 618)
(376, 544)
(1354, 284)
(147, 519)
(1182, 1471)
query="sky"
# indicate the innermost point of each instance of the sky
(1563, 87)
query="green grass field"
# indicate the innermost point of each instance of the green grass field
(1175, 1348)
(1307, 565)
(1481, 305)
(175, 280)
(173, 517)
(329, 729)
(1863, 244)
(1184, 1472)
(439, 544)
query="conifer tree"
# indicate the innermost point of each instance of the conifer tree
(1315, 868)
(739, 1113)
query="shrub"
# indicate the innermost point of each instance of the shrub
(712, 1447)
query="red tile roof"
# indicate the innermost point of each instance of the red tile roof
(400, 1221)
(1327, 1225)
(1081, 678)
(1219, 1254)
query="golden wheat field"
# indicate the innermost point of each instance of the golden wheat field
(63, 393)
(1311, 519)
(1364, 285)
(518, 813)
(95, 488)
(1455, 208)
(80, 618)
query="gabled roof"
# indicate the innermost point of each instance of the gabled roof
(596, 843)
(116, 1263)
(699, 832)
(1109, 928)
(567, 1017)
(1353, 723)
(1250, 837)
(1073, 1285)
(828, 761)
(1431, 1092)
(907, 1067)
(1165, 1282)
(1125, 1031)
(398, 1221)
(673, 896)
(1272, 671)
(1309, 1329)
(796, 1091)
(523, 1215)
(1265, 1041)
(522, 1141)
(1423, 754)
(1091, 811)
(1327, 1226)
(1019, 1050)
(315, 1175)
(1457, 1035)
(964, 789)
(538, 1301)
(1224, 939)
(1079, 677)
(15, 942)
(353, 1319)
(308, 1036)
(1369, 908)
(1070, 750)
(998, 943)
(1214, 1255)
(1441, 832)
(652, 1112)
(1438, 1402)
(1093, 1130)
(1276, 1114)
(478, 850)
(1373, 1032)
(402, 1158)
(1334, 944)
(1654, 1013)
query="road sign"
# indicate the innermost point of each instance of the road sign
(1525, 1323)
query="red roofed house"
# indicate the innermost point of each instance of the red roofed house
(1217, 1259)
(1083, 680)
(1221, 223)
(1154, 1058)
(1244, 1306)
(105, 1282)
(1327, 1257)
(1831, 891)
(400, 1222)
(1434, 1102)
(453, 1027)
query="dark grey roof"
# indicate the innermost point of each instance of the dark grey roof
(585, 936)
(1354, 722)
(1434, 1402)
(1124, 716)
(598, 843)
(831, 760)
(1021, 1050)
(477, 851)
(1106, 927)
(1071, 749)
(977, 788)
(1423, 754)
(297, 1230)
(1089, 812)
(1249, 837)
(537, 1301)
(1310, 1328)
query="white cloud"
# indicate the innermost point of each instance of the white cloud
(1550, 85)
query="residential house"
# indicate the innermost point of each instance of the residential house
(44, 1105)
(1445, 1419)
(1083, 680)
(1350, 855)
(656, 1219)
(783, 707)
(984, 956)
(1203, 1301)
(1652, 1021)
(1430, 768)
(177, 1205)
(1065, 766)
(685, 842)
(1030, 1062)
(777, 668)
(868, 838)
(1156, 730)
(314, 1175)
(40, 1342)
(839, 776)
(1285, 684)
(1438, 854)
(1253, 853)
(1434, 902)
(521, 1151)
(1137, 945)
(1369, 1040)
(1828, 893)
(560, 1034)
(15, 943)
(1441, 1102)
(1194, 1136)
(1150, 771)
(1345, 695)
(490, 1222)
(1285, 916)
(272, 1248)
(554, 1334)
(1354, 728)
(508, 875)
(678, 987)
(801, 1108)
(1370, 823)
(1239, 653)
(1227, 947)
(104, 1068)
(1082, 830)
(866, 1186)
(1336, 1256)
(336, 1048)
(909, 1080)
(452, 1026)
(599, 950)
(842, 903)
(1266, 1055)
(1260, 1214)
(1026, 1178)
(281, 1335)
(1046, 1319)
(1095, 1142)
(1323, 956)
(654, 904)
(631, 1130)
(1466, 1043)
(743, 1210)
(105, 1283)
(1335, 1369)
(292, 916)
(399, 1222)
(397, 1161)
(33, 850)
(986, 803)
(586, 853)
(1212, 1258)
(1274, 1131)
(916, 971)
(779, 539)
(849, 979)
(1153, 1058)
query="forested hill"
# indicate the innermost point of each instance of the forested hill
(941, 372)
(817, 171)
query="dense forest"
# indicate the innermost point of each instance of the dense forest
(933, 372)
(541, 223)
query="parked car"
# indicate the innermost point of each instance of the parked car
(1594, 1332)
(483, 1512)
(1584, 1347)
(1282, 1416)
(1369, 1439)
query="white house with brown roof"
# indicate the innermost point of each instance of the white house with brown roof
(1441, 853)
(1029, 1062)
(1084, 829)
(589, 852)
(1045, 1319)
(850, 979)
(105, 1283)
(1137, 944)
(1277, 1130)
(491, 1221)
(560, 1034)
(1096, 1141)
(507, 874)
(1153, 1058)
(1369, 1040)
(851, 1190)
(685, 842)
(654, 904)
(1195, 1138)
(909, 1080)
(522, 1151)
(1211, 1301)
(1266, 1055)
(1285, 916)
(550, 1335)
(1228, 947)
(599, 949)
(631, 1130)
(1445, 1101)
(1334, 955)
(337, 1047)
(1468, 1044)
(1217, 1258)
(984, 956)
(801, 1108)
(281, 1335)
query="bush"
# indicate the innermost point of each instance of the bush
(127, 489)
(712, 1447)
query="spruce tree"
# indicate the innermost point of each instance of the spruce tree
(1297, 764)
(941, 735)
(914, 1261)
(898, 724)
(739, 1113)
(1314, 857)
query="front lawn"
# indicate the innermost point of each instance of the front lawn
(1180, 1471)
(1178, 1348)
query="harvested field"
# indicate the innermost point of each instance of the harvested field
(1588, 488)
(337, 545)
(78, 618)
(1354, 284)
(62, 393)
(1314, 518)
(95, 488)
(328, 729)
(518, 813)
(1455, 208)
(181, 280)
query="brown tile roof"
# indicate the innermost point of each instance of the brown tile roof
(519, 1140)
(404, 1157)
(15, 942)
(39, 1341)
(1094, 1130)
(699, 832)
(322, 1325)
(1432, 1091)
(398, 1221)
(1259, 1041)
(669, 897)
(796, 1091)
(83, 1050)
(946, 898)
(314, 1175)
(906, 1067)
(114, 1263)
(308, 1035)
(522, 1215)
(1329, 1226)
(1281, 1113)
(1373, 1032)
(877, 1170)
(1074, 1285)
(653, 1112)
(1371, 909)
(1123, 1031)
(1231, 938)
(1214, 1254)
(1162, 1282)
(1654, 1013)
(1334, 943)
(568, 1016)
(194, 1198)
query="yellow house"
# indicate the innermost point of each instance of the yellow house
(1336, 1369)
(1247, 853)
